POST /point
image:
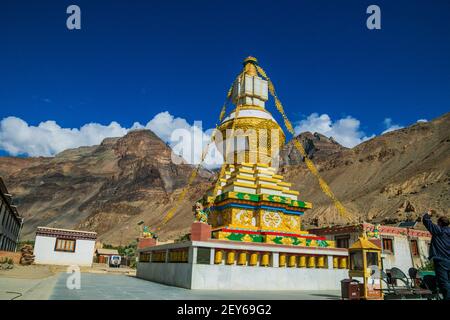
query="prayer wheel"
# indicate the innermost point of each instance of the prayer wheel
(230, 257)
(292, 261)
(312, 262)
(321, 262)
(343, 263)
(335, 262)
(282, 260)
(253, 259)
(242, 259)
(302, 262)
(265, 259)
(218, 257)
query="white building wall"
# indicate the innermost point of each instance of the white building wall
(44, 251)
(401, 258)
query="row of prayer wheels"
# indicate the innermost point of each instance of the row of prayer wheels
(252, 258)
(302, 261)
(178, 256)
(242, 258)
(340, 262)
(159, 256)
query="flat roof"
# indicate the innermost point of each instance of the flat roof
(66, 233)
(107, 251)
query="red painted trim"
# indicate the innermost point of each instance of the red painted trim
(383, 230)
(254, 244)
(274, 234)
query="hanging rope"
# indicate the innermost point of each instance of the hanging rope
(194, 172)
(309, 164)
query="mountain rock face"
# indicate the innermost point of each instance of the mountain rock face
(111, 187)
(107, 188)
(390, 178)
(317, 146)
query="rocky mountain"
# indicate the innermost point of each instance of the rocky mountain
(110, 187)
(107, 188)
(390, 178)
(317, 146)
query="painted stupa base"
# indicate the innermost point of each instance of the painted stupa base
(272, 238)
(254, 204)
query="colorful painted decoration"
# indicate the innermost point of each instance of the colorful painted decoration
(200, 213)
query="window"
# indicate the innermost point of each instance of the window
(414, 248)
(388, 245)
(356, 261)
(372, 259)
(343, 241)
(65, 245)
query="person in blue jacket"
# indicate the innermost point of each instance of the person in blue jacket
(440, 250)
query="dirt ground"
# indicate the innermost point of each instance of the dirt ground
(37, 282)
(44, 271)
(30, 272)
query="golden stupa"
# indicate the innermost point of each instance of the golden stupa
(251, 202)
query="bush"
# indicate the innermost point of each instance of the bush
(6, 263)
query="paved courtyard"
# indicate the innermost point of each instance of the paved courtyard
(125, 287)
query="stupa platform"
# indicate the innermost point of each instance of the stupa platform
(249, 232)
(231, 265)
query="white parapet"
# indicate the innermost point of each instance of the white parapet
(201, 271)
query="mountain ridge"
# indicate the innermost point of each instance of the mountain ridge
(110, 187)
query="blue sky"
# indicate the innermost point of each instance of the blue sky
(134, 59)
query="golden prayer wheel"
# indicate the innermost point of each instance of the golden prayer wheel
(242, 259)
(218, 257)
(302, 262)
(265, 259)
(292, 261)
(282, 260)
(230, 257)
(253, 259)
(335, 262)
(343, 263)
(312, 262)
(321, 262)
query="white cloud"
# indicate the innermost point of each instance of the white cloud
(48, 138)
(422, 120)
(188, 141)
(346, 131)
(17, 137)
(390, 126)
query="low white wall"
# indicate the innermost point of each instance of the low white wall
(174, 274)
(223, 277)
(44, 251)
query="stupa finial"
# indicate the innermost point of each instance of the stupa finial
(250, 59)
(250, 64)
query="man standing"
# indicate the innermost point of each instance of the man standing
(440, 250)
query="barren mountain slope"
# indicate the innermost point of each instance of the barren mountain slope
(110, 187)
(106, 188)
(386, 179)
